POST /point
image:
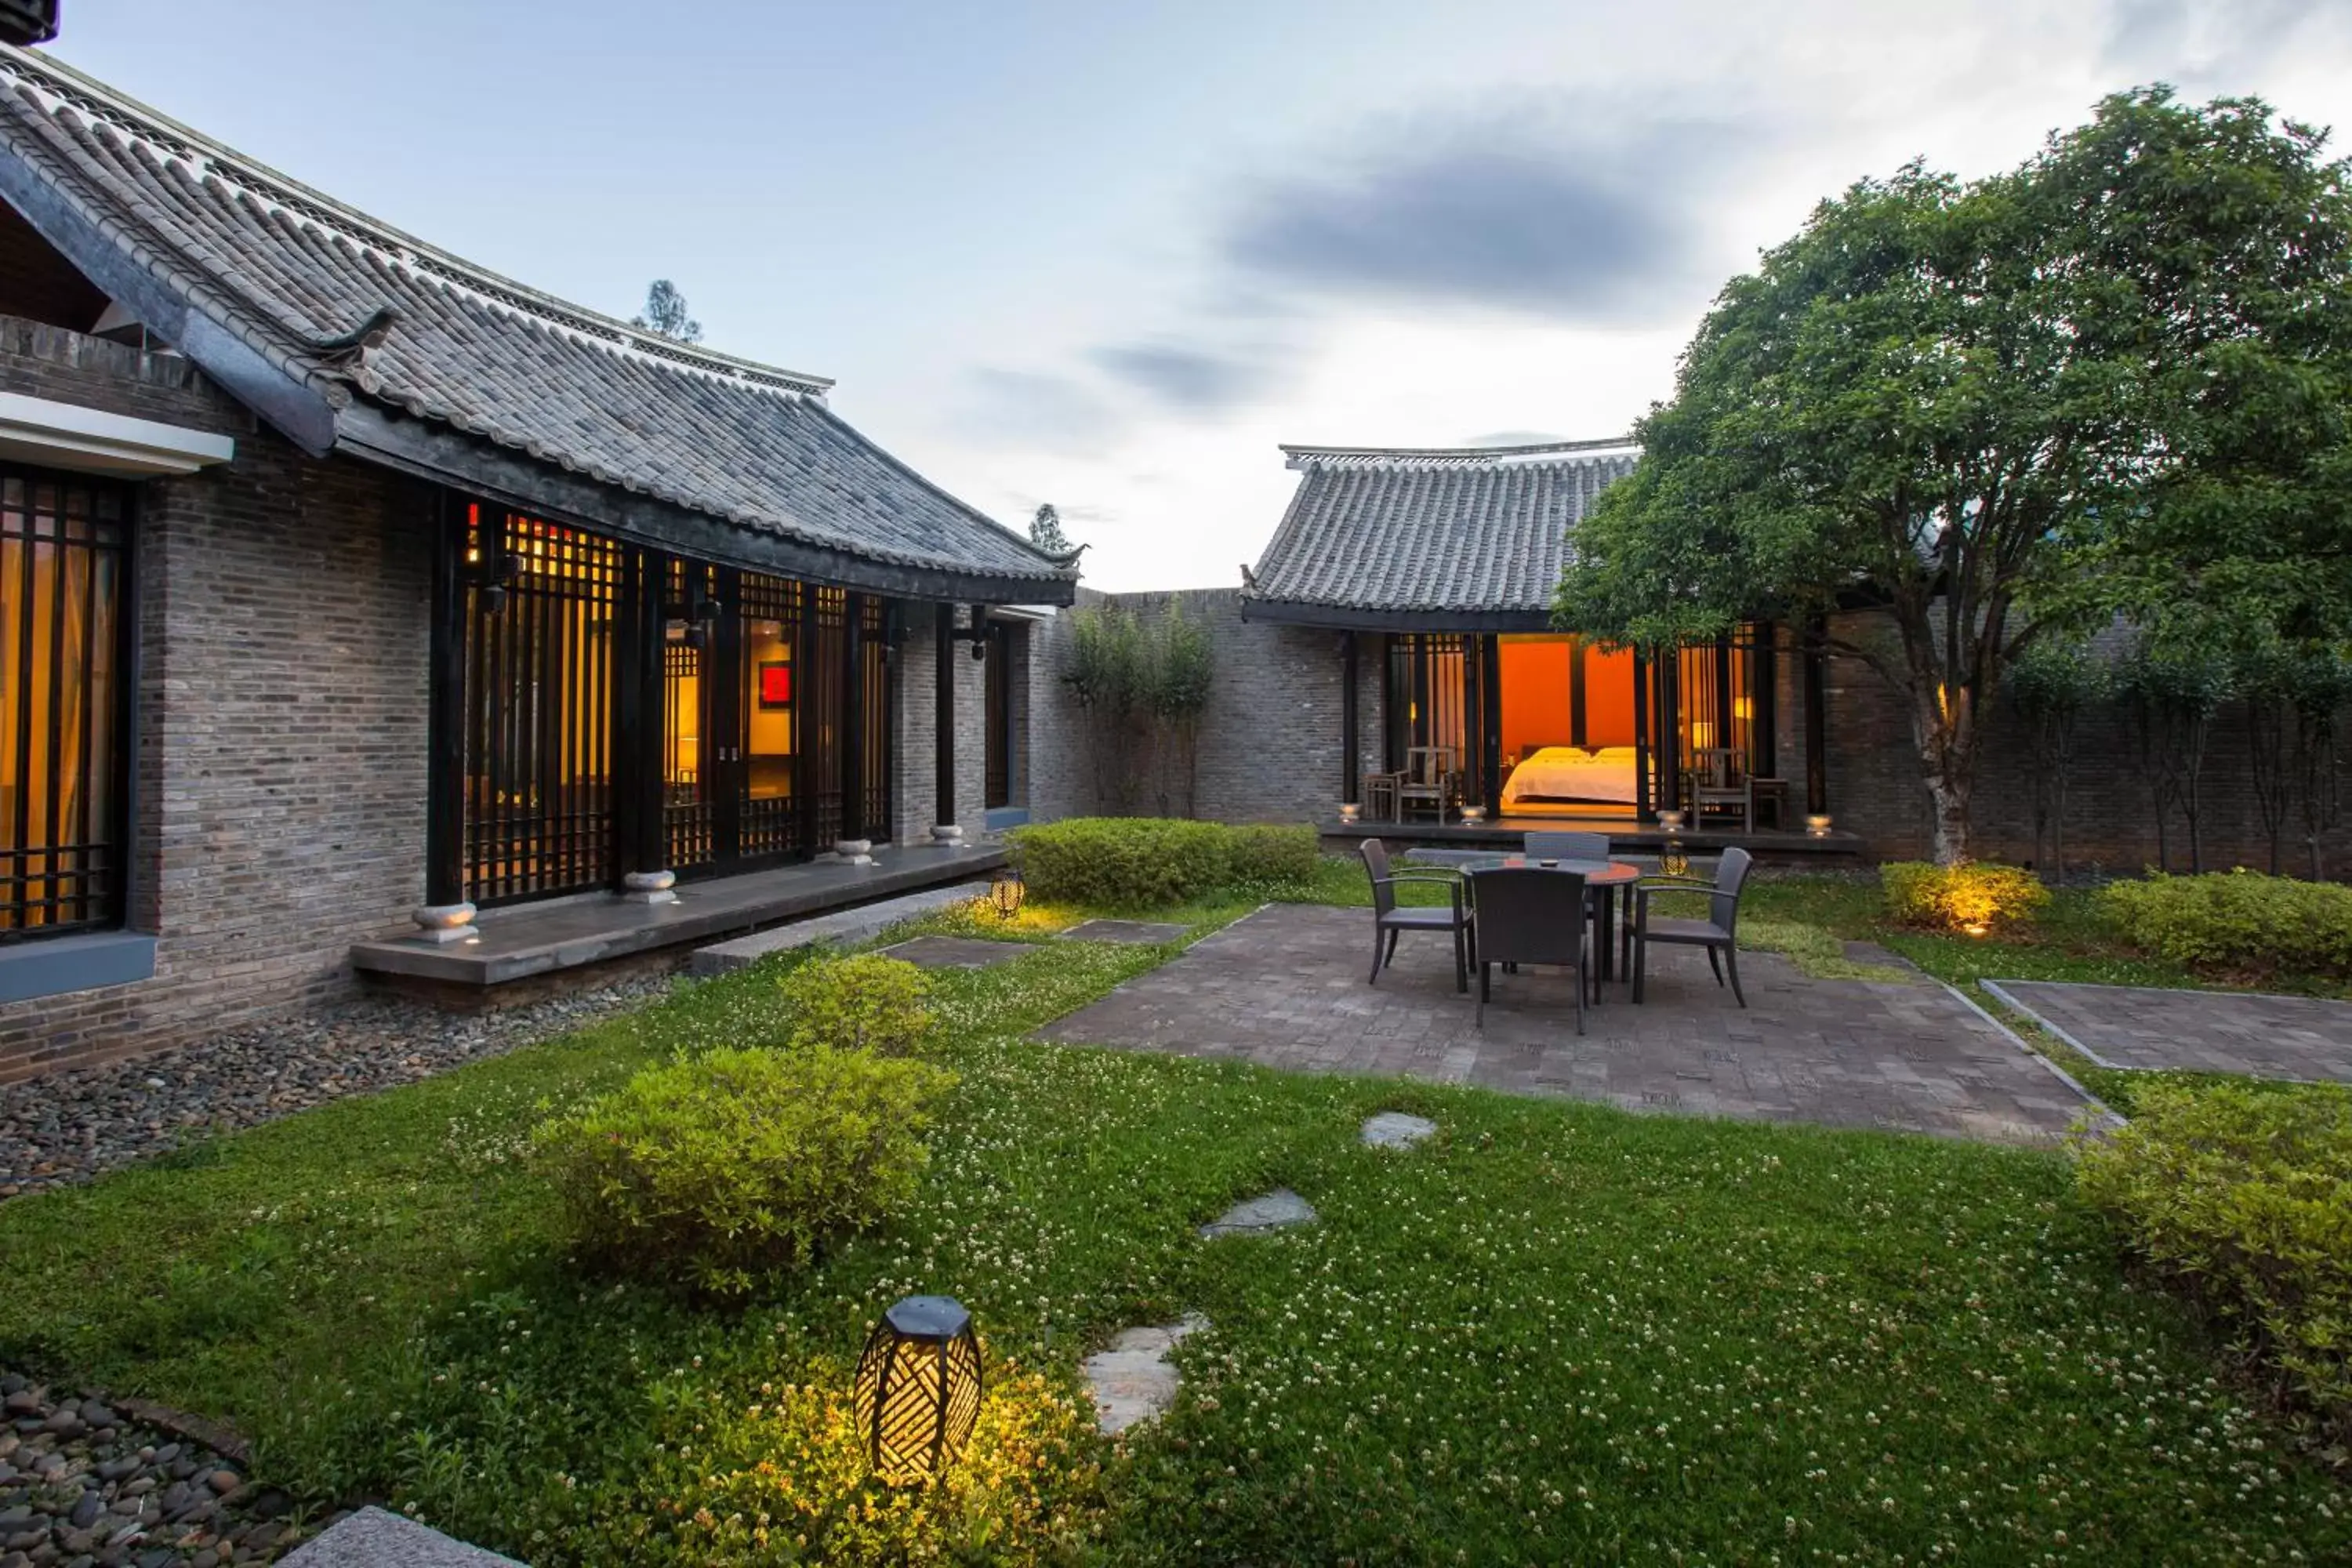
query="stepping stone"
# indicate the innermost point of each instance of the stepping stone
(1133, 1381)
(955, 952)
(1141, 932)
(1274, 1210)
(374, 1538)
(1395, 1129)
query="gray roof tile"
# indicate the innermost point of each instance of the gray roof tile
(283, 267)
(1469, 531)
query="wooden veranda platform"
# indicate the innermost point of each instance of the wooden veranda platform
(530, 940)
(1626, 834)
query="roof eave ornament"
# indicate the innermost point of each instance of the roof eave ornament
(350, 348)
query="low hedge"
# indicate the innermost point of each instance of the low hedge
(717, 1170)
(1975, 896)
(2237, 922)
(864, 1002)
(2243, 1196)
(1145, 862)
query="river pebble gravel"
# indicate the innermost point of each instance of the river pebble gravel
(84, 1486)
(69, 1126)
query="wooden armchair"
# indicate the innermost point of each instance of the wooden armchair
(1428, 779)
(1719, 782)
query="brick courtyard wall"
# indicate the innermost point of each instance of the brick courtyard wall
(1875, 786)
(280, 780)
(1268, 746)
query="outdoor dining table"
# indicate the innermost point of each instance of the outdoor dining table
(1604, 875)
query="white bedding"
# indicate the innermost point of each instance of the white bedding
(1572, 772)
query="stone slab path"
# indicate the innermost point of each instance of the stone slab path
(2145, 1027)
(1133, 1380)
(956, 952)
(1284, 987)
(1143, 934)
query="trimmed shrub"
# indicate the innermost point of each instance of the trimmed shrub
(1975, 896)
(2237, 921)
(2243, 1198)
(717, 1169)
(1121, 862)
(865, 1003)
(1259, 852)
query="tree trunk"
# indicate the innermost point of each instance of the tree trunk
(1946, 733)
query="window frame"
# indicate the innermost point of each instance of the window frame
(119, 829)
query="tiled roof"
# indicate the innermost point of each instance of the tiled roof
(276, 272)
(1461, 536)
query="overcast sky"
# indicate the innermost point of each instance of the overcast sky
(1109, 255)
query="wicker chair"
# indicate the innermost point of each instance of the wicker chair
(1531, 916)
(1719, 932)
(1389, 921)
(1568, 846)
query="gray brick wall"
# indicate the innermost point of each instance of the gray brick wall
(280, 782)
(1268, 746)
(916, 789)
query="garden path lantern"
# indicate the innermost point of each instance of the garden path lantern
(918, 1389)
(1005, 891)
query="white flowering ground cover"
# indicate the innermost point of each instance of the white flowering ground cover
(1555, 1333)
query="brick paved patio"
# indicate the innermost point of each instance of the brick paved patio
(2144, 1027)
(1284, 987)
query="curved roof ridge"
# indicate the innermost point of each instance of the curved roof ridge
(53, 79)
(1300, 456)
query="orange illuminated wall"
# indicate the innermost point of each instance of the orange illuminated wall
(1608, 698)
(1535, 693)
(1539, 695)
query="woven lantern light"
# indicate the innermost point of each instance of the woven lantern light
(917, 1388)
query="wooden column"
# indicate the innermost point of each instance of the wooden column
(1350, 771)
(852, 761)
(1817, 787)
(1764, 684)
(1489, 650)
(444, 815)
(1646, 806)
(944, 806)
(1669, 737)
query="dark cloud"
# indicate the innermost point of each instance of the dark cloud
(1515, 213)
(1194, 380)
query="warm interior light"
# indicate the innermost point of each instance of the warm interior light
(1743, 707)
(917, 1388)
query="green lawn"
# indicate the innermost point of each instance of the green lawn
(1557, 1333)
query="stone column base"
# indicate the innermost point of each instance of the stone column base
(649, 887)
(947, 833)
(856, 851)
(444, 922)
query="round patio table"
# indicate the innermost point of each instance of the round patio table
(1605, 876)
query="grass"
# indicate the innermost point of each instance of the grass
(1557, 1332)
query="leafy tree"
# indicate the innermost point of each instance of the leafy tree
(2323, 685)
(1109, 676)
(1046, 531)
(1183, 666)
(2049, 684)
(665, 315)
(1997, 410)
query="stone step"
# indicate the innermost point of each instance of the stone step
(841, 926)
(374, 1538)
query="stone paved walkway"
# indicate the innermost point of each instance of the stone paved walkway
(1284, 987)
(2145, 1027)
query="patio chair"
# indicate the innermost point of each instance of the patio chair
(1428, 779)
(1719, 783)
(1526, 915)
(1718, 933)
(1568, 847)
(1389, 921)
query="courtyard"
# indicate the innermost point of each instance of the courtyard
(1284, 987)
(1692, 1282)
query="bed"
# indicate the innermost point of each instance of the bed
(1549, 773)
